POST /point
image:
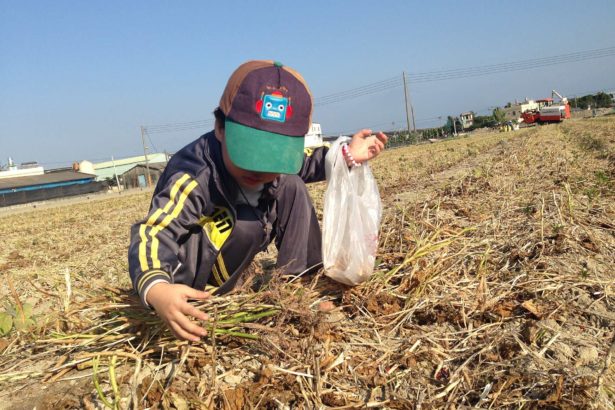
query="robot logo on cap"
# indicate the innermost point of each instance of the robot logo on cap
(274, 107)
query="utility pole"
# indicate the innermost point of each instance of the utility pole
(412, 112)
(149, 176)
(403, 74)
(117, 179)
(408, 103)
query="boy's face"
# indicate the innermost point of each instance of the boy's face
(245, 178)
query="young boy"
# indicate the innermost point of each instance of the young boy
(229, 194)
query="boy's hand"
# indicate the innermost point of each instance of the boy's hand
(171, 303)
(365, 145)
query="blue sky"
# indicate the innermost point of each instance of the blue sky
(78, 79)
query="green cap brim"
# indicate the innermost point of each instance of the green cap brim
(263, 151)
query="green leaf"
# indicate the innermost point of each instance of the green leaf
(10, 309)
(23, 323)
(27, 310)
(6, 323)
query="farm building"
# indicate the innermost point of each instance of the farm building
(512, 112)
(136, 177)
(314, 137)
(108, 169)
(467, 119)
(26, 169)
(46, 185)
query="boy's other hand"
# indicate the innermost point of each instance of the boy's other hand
(171, 303)
(366, 145)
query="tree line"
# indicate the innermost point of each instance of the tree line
(599, 100)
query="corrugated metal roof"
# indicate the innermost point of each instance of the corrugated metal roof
(106, 169)
(152, 158)
(48, 178)
(157, 166)
(18, 173)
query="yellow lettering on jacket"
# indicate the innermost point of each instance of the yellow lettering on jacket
(218, 226)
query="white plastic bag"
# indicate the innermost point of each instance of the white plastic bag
(351, 222)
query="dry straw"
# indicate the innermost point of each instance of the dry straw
(493, 289)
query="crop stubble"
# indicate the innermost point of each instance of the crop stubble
(493, 289)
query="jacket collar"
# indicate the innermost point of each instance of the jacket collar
(225, 183)
(220, 177)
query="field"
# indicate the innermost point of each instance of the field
(494, 288)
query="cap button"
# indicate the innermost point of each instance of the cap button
(277, 64)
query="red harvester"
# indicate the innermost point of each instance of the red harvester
(548, 110)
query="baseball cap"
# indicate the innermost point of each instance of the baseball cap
(268, 109)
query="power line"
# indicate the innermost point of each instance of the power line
(320, 102)
(179, 126)
(418, 78)
(378, 126)
(467, 72)
(369, 88)
(531, 63)
(488, 70)
(150, 140)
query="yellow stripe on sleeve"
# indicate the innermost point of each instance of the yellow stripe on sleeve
(143, 249)
(152, 220)
(154, 217)
(210, 288)
(174, 191)
(147, 276)
(217, 277)
(223, 270)
(166, 221)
